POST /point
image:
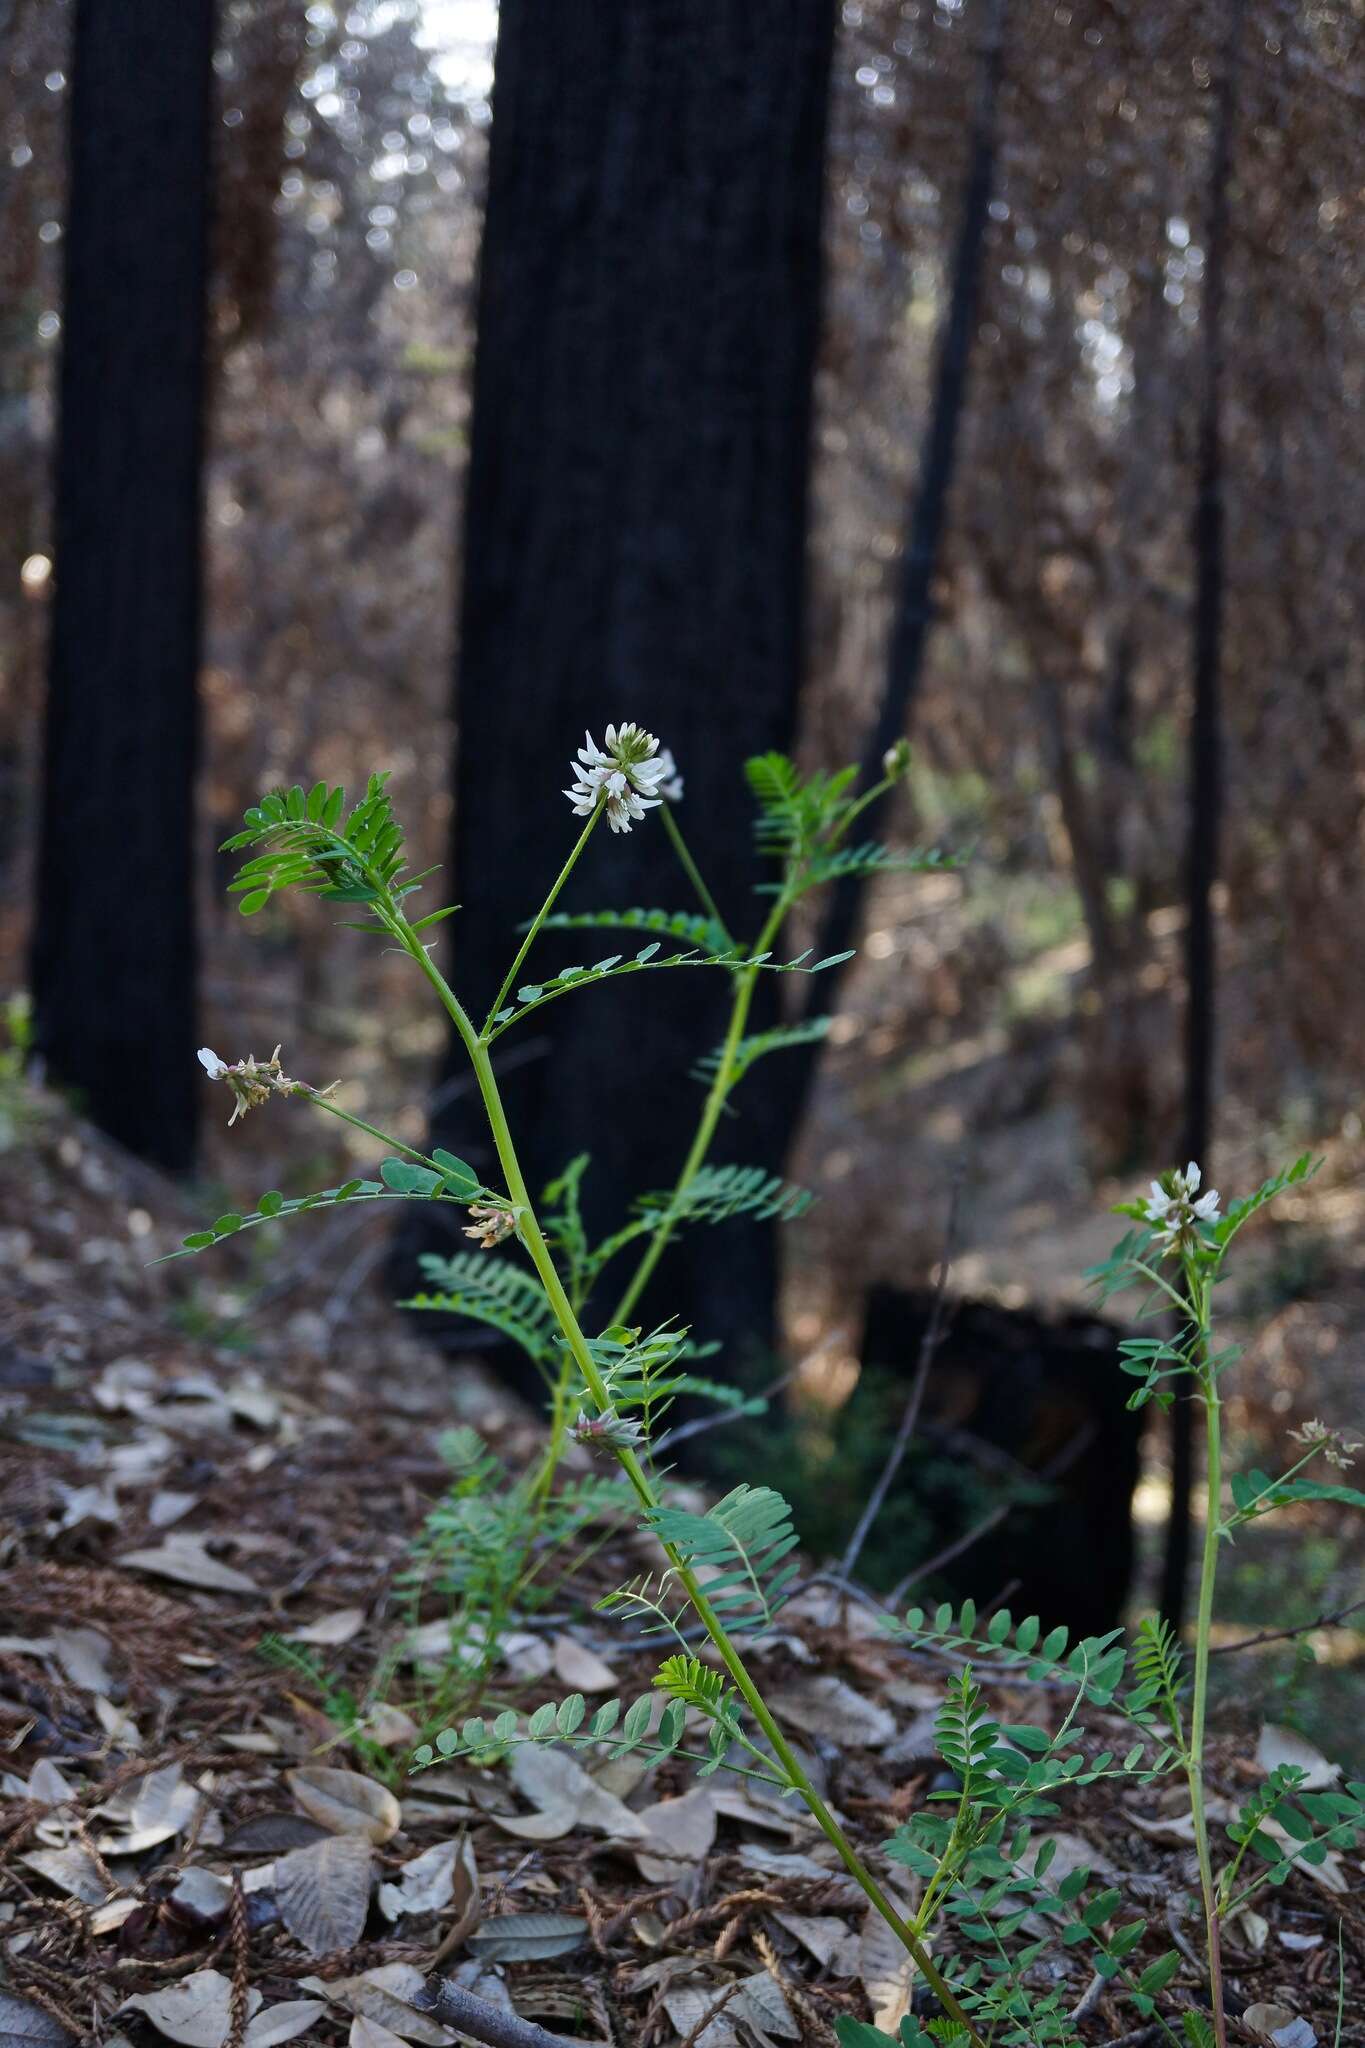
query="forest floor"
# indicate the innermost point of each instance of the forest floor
(186, 1837)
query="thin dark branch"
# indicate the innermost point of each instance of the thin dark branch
(1284, 1635)
(935, 1329)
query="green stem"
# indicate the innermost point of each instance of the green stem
(1213, 1496)
(745, 982)
(533, 1238)
(320, 1101)
(693, 873)
(538, 920)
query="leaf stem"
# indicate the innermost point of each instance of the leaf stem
(538, 920)
(1199, 1289)
(693, 873)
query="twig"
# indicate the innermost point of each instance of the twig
(930, 1342)
(482, 2021)
(712, 2012)
(1282, 1635)
(240, 2008)
(724, 1415)
(1055, 1469)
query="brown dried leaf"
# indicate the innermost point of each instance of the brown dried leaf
(331, 1630)
(323, 1891)
(528, 1937)
(345, 1802)
(27, 2026)
(580, 1669)
(182, 1557)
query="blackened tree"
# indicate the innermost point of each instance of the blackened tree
(635, 530)
(114, 951)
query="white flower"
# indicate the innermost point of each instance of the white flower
(672, 785)
(1172, 1209)
(210, 1062)
(625, 777)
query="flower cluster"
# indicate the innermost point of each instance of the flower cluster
(489, 1225)
(630, 775)
(608, 1431)
(1336, 1446)
(1173, 1210)
(254, 1081)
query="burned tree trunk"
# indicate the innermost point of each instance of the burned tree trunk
(1205, 757)
(635, 538)
(114, 952)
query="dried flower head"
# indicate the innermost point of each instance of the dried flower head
(489, 1225)
(626, 776)
(1173, 1210)
(254, 1081)
(1336, 1446)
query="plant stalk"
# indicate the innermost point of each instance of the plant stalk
(1213, 1501)
(533, 1238)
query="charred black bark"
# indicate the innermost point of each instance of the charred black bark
(635, 537)
(1205, 775)
(114, 949)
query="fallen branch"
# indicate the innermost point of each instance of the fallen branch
(482, 2021)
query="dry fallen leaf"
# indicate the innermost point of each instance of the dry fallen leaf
(528, 1937)
(681, 1832)
(427, 1883)
(27, 2026)
(830, 1710)
(579, 1669)
(196, 2012)
(1277, 2024)
(331, 1630)
(82, 1654)
(323, 1891)
(385, 1994)
(565, 1797)
(283, 2022)
(155, 1807)
(345, 1802)
(73, 1871)
(1283, 1746)
(270, 1834)
(182, 1557)
(831, 1941)
(367, 2033)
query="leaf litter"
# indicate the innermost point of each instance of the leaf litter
(155, 1757)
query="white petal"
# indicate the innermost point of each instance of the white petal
(210, 1062)
(1192, 1177)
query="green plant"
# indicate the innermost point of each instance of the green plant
(727, 1571)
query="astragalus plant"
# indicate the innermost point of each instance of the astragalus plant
(533, 1274)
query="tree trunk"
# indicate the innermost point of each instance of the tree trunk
(635, 538)
(1205, 758)
(114, 949)
(928, 516)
